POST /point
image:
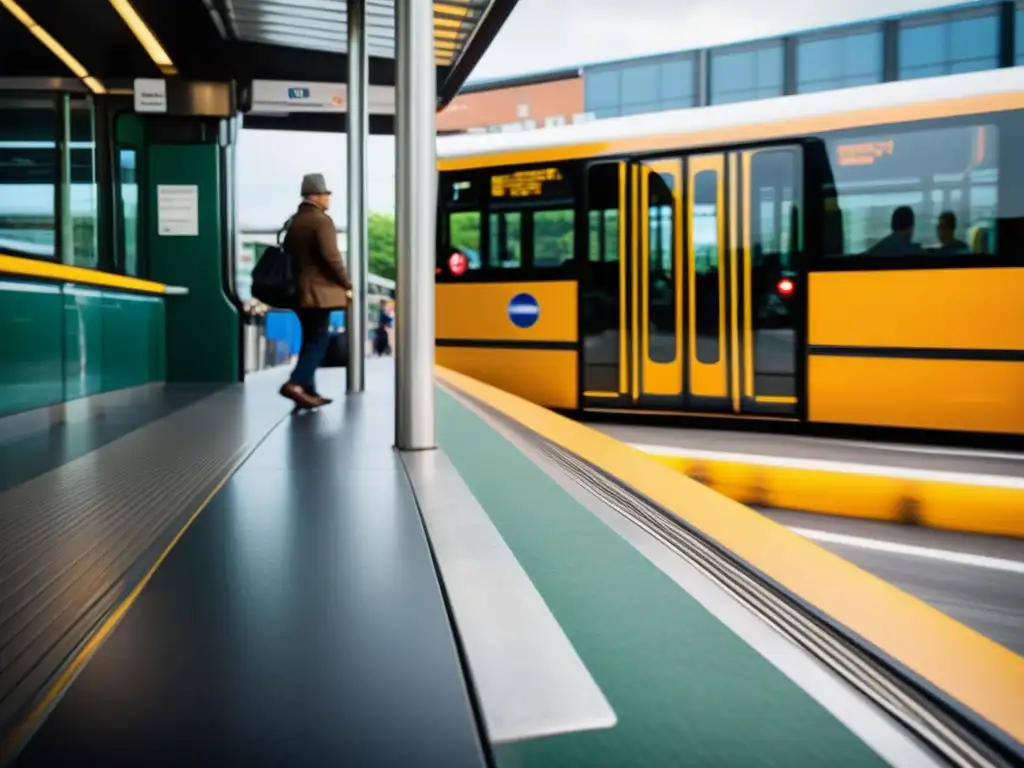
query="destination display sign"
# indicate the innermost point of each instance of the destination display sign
(529, 183)
(865, 153)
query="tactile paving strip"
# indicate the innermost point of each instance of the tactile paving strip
(75, 540)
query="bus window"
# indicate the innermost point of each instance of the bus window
(600, 282)
(706, 259)
(553, 237)
(917, 193)
(775, 245)
(661, 284)
(506, 240)
(464, 236)
(603, 234)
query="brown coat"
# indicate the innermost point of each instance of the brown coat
(312, 242)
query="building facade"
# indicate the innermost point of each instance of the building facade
(980, 35)
(522, 103)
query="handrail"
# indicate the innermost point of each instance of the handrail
(19, 266)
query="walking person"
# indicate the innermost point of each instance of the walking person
(323, 286)
(382, 332)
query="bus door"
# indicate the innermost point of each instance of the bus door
(631, 288)
(744, 281)
(768, 285)
(692, 291)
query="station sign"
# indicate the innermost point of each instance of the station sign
(284, 96)
(150, 95)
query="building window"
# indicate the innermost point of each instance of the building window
(82, 214)
(746, 74)
(601, 92)
(1018, 35)
(827, 63)
(29, 161)
(641, 88)
(677, 84)
(948, 45)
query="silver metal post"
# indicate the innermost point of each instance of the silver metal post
(415, 203)
(358, 129)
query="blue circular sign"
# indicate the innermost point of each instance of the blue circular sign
(523, 310)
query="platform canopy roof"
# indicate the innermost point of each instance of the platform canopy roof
(109, 43)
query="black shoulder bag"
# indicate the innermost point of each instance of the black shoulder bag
(274, 278)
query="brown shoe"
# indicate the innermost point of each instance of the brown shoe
(298, 395)
(321, 400)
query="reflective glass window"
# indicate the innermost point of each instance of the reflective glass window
(83, 193)
(29, 175)
(677, 84)
(1018, 36)
(949, 45)
(741, 75)
(464, 236)
(553, 237)
(506, 240)
(917, 192)
(128, 181)
(601, 89)
(839, 62)
(640, 84)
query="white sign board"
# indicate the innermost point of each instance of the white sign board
(150, 95)
(283, 96)
(177, 210)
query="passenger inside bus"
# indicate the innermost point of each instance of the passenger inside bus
(900, 241)
(946, 232)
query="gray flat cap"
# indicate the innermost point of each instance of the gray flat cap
(314, 184)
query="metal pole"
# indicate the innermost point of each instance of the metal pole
(415, 209)
(358, 129)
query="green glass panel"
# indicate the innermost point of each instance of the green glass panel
(31, 353)
(83, 342)
(128, 352)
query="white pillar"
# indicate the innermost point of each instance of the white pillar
(358, 257)
(415, 211)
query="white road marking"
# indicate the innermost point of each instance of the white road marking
(849, 468)
(931, 450)
(945, 555)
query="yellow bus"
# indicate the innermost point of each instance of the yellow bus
(854, 257)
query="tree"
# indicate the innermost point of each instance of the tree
(381, 246)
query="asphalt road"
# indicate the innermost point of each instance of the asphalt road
(977, 580)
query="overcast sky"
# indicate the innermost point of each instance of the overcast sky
(540, 35)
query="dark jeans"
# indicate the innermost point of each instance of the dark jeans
(316, 334)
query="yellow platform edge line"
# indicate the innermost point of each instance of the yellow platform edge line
(945, 505)
(979, 673)
(19, 266)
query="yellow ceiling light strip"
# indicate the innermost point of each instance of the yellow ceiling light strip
(441, 21)
(54, 47)
(447, 9)
(444, 45)
(145, 36)
(446, 34)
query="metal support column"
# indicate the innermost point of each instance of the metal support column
(415, 209)
(358, 128)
